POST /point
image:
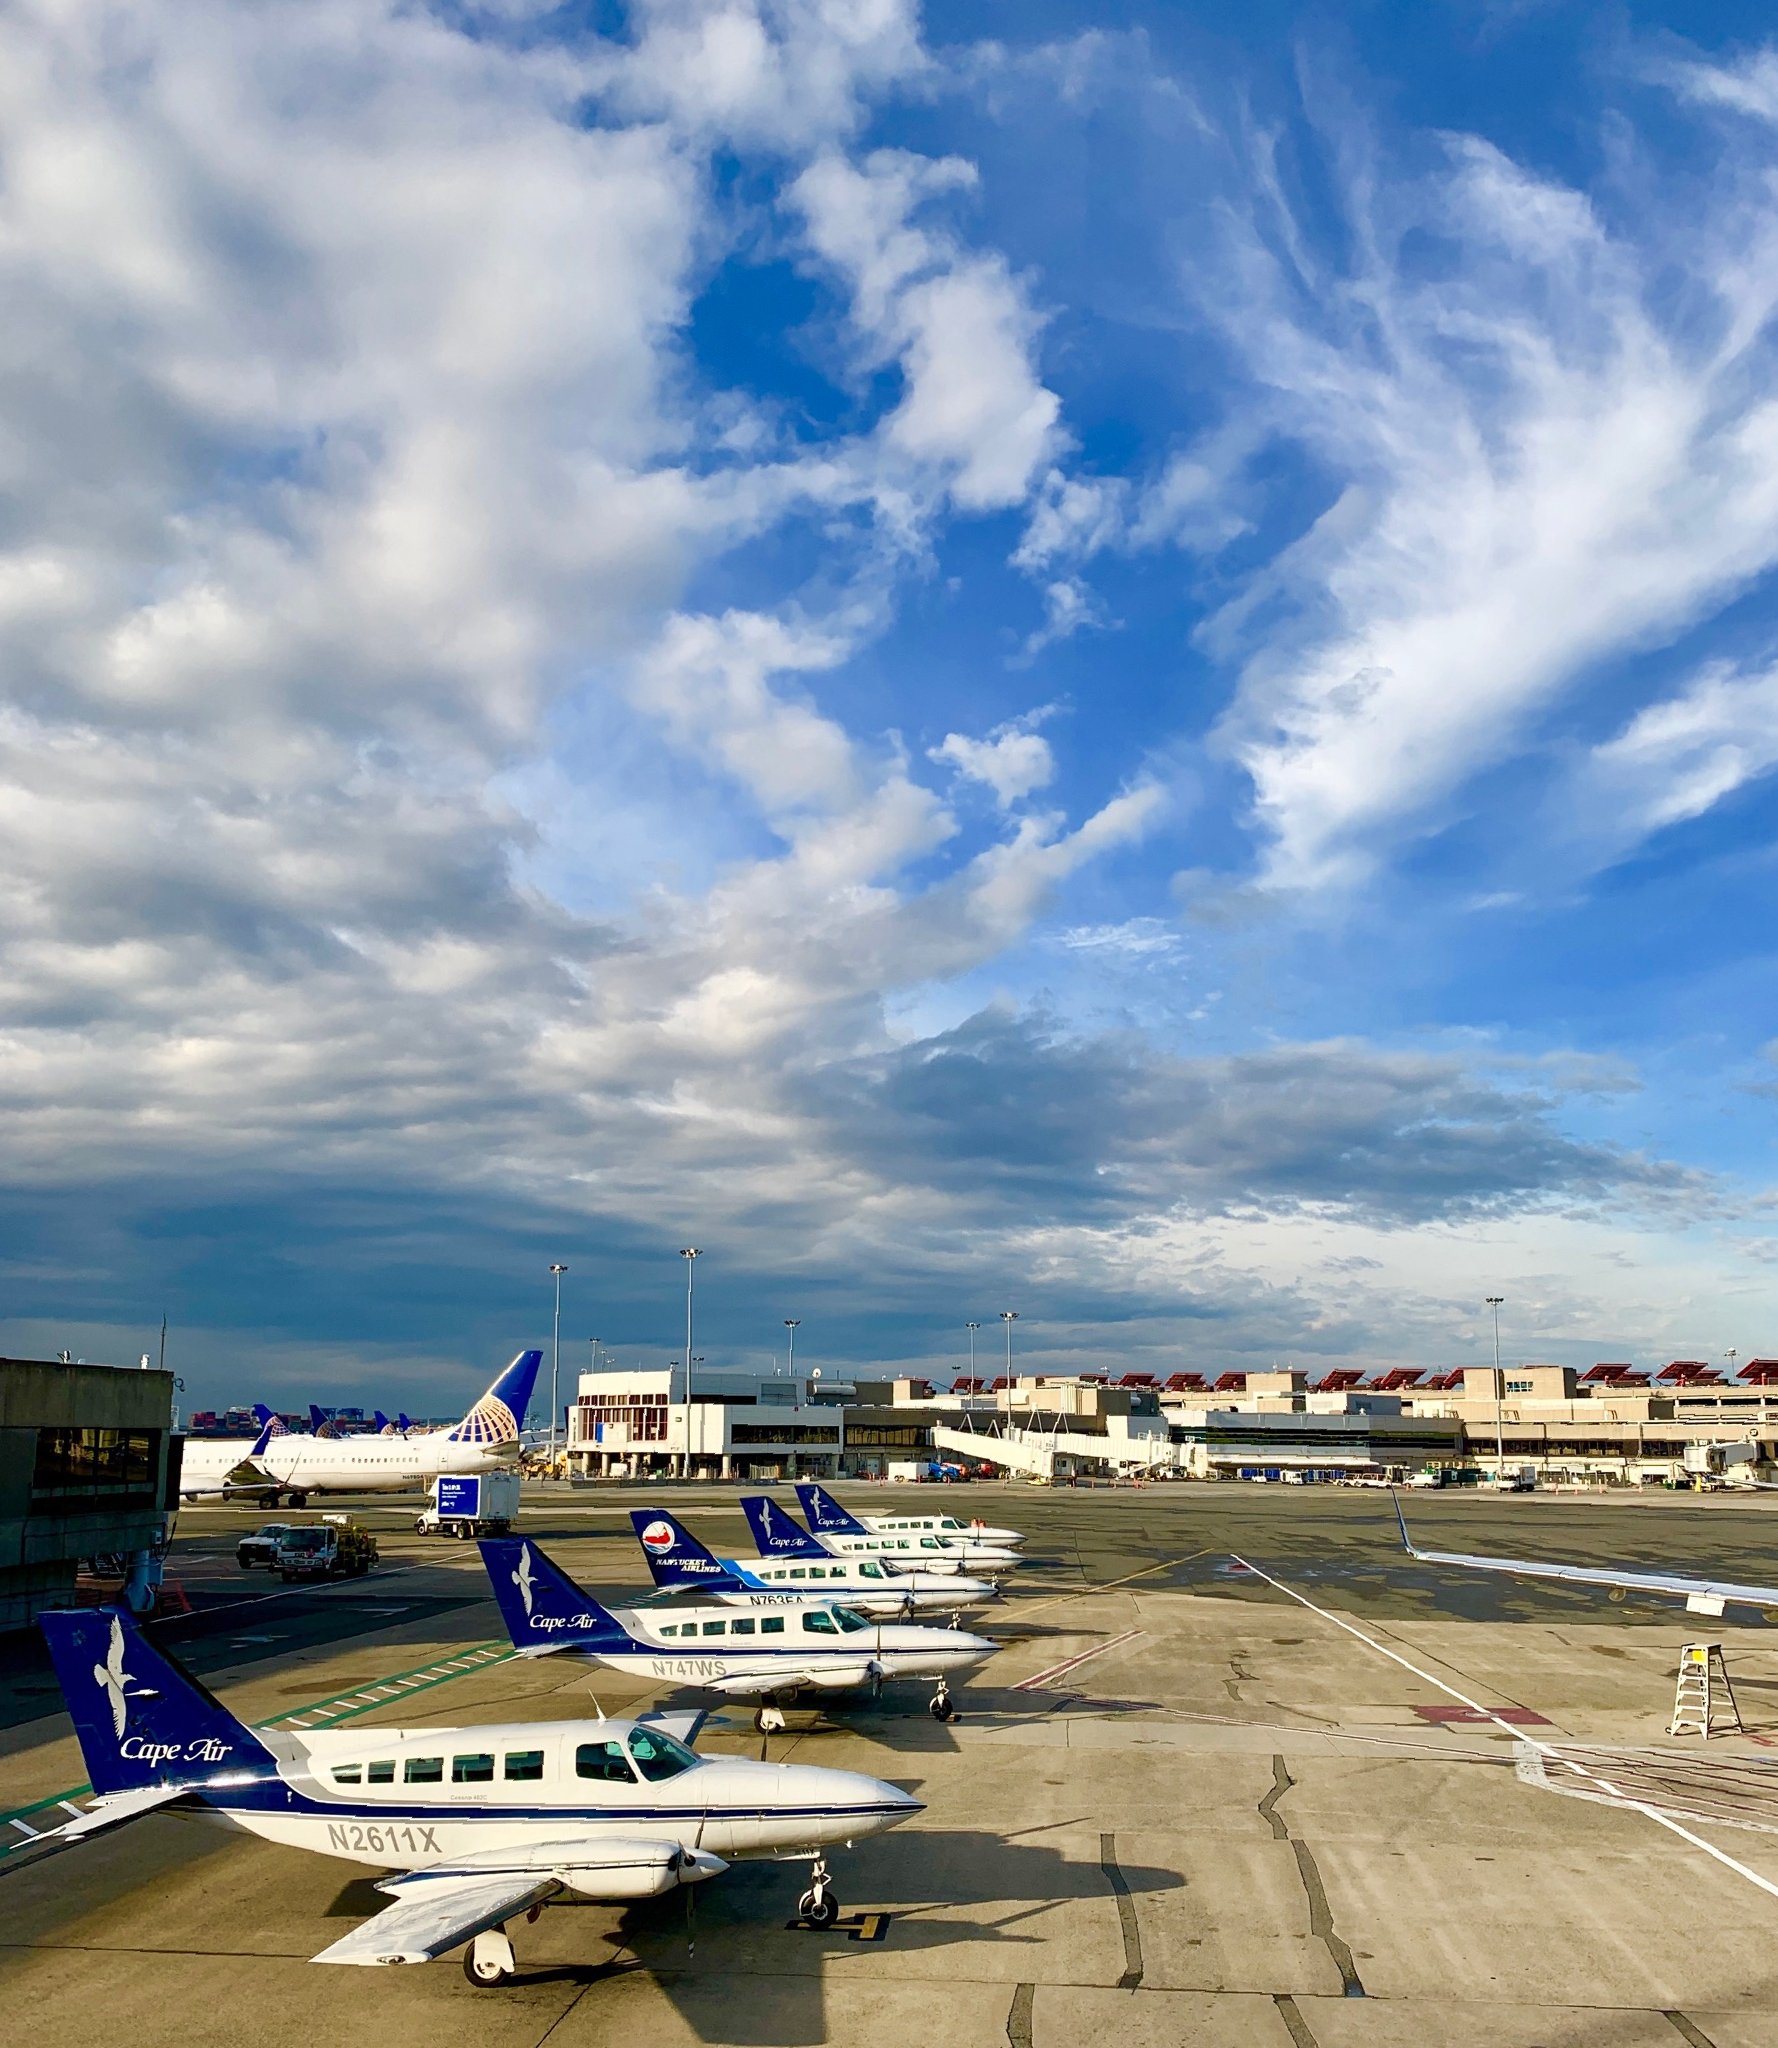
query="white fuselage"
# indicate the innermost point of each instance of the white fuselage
(939, 1525)
(729, 1806)
(720, 1650)
(862, 1582)
(208, 1461)
(376, 1464)
(921, 1553)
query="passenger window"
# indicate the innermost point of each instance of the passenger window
(800, 1572)
(380, 1774)
(423, 1770)
(524, 1765)
(741, 1628)
(604, 1761)
(870, 1569)
(715, 1628)
(773, 1625)
(819, 1623)
(669, 1628)
(476, 1769)
(347, 1774)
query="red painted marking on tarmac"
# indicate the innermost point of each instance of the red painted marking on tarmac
(1516, 1717)
(1071, 1663)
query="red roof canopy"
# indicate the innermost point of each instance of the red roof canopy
(1396, 1378)
(967, 1387)
(1761, 1372)
(1340, 1380)
(1443, 1382)
(1230, 1383)
(1138, 1379)
(1185, 1382)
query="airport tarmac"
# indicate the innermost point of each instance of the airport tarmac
(1181, 1806)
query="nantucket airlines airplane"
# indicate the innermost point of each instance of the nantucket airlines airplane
(779, 1534)
(476, 1824)
(770, 1657)
(485, 1440)
(679, 1563)
(827, 1518)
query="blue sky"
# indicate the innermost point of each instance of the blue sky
(980, 661)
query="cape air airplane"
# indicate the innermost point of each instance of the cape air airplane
(679, 1563)
(486, 1440)
(470, 1826)
(826, 1517)
(779, 1534)
(772, 1657)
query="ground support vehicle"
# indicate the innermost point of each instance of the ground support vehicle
(470, 1504)
(335, 1548)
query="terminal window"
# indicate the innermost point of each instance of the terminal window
(118, 1464)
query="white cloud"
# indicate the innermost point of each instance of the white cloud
(1534, 468)
(973, 410)
(1677, 758)
(1012, 761)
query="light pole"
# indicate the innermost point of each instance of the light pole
(1494, 1301)
(1009, 1316)
(972, 1329)
(793, 1324)
(689, 1253)
(555, 1366)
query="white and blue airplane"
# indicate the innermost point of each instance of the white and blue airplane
(679, 1563)
(771, 1657)
(226, 1465)
(486, 1440)
(779, 1534)
(826, 1517)
(477, 1824)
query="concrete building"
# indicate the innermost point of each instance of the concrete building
(88, 1471)
(635, 1425)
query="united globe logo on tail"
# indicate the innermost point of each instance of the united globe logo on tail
(490, 1421)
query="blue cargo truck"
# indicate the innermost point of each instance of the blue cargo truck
(466, 1504)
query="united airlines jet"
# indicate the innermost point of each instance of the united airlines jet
(469, 1827)
(484, 1441)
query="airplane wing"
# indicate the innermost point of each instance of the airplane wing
(828, 1677)
(682, 1726)
(432, 1914)
(1703, 1596)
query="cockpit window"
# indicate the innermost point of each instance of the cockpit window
(604, 1761)
(817, 1621)
(658, 1755)
(868, 1568)
(849, 1620)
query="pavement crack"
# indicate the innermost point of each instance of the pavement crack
(1018, 2021)
(1320, 1913)
(1126, 1913)
(1296, 2025)
(1281, 1783)
(1688, 2030)
(1321, 1920)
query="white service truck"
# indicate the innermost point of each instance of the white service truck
(466, 1504)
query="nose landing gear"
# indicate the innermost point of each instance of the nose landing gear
(818, 1907)
(939, 1706)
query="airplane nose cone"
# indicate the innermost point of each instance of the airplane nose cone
(876, 1803)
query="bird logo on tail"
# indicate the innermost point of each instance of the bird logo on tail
(522, 1579)
(113, 1679)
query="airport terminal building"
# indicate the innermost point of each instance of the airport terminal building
(88, 1474)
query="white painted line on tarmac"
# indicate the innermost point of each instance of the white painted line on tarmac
(1073, 1663)
(1551, 1755)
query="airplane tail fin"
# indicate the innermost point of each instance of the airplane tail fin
(323, 1425)
(141, 1718)
(675, 1556)
(542, 1606)
(381, 1423)
(824, 1514)
(403, 1424)
(499, 1416)
(270, 1425)
(778, 1533)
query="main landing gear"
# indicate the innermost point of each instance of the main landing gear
(768, 1720)
(939, 1706)
(489, 1960)
(818, 1907)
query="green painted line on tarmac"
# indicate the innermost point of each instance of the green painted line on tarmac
(326, 1712)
